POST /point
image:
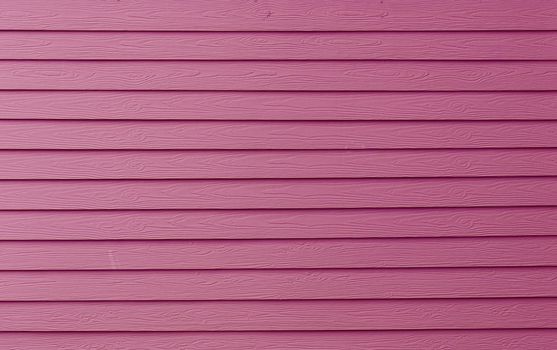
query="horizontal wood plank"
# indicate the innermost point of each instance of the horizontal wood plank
(206, 135)
(275, 164)
(488, 339)
(279, 76)
(276, 194)
(223, 105)
(279, 315)
(278, 284)
(281, 224)
(278, 45)
(279, 254)
(267, 15)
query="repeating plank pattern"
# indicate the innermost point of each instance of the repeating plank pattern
(277, 224)
(273, 105)
(257, 174)
(279, 75)
(278, 45)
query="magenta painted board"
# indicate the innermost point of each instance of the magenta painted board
(278, 175)
(278, 315)
(280, 15)
(277, 223)
(277, 164)
(40, 45)
(273, 105)
(385, 75)
(279, 254)
(308, 284)
(487, 339)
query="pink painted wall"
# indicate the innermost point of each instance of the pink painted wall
(278, 175)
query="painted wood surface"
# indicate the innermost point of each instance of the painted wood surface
(266, 135)
(278, 45)
(488, 339)
(273, 15)
(279, 76)
(277, 194)
(279, 284)
(279, 315)
(277, 224)
(276, 164)
(279, 254)
(241, 174)
(269, 105)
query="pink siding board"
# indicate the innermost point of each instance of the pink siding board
(278, 224)
(282, 15)
(277, 194)
(240, 174)
(278, 284)
(279, 76)
(279, 254)
(278, 45)
(279, 315)
(275, 164)
(265, 135)
(489, 339)
(267, 105)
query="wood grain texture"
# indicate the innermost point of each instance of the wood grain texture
(281, 224)
(278, 45)
(279, 315)
(279, 254)
(278, 284)
(276, 194)
(279, 76)
(212, 134)
(488, 339)
(300, 105)
(275, 164)
(272, 15)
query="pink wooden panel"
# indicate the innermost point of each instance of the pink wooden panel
(279, 284)
(268, 224)
(97, 134)
(281, 15)
(277, 194)
(279, 315)
(279, 45)
(275, 164)
(279, 254)
(488, 339)
(278, 105)
(286, 76)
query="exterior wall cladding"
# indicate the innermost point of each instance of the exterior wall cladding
(278, 175)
